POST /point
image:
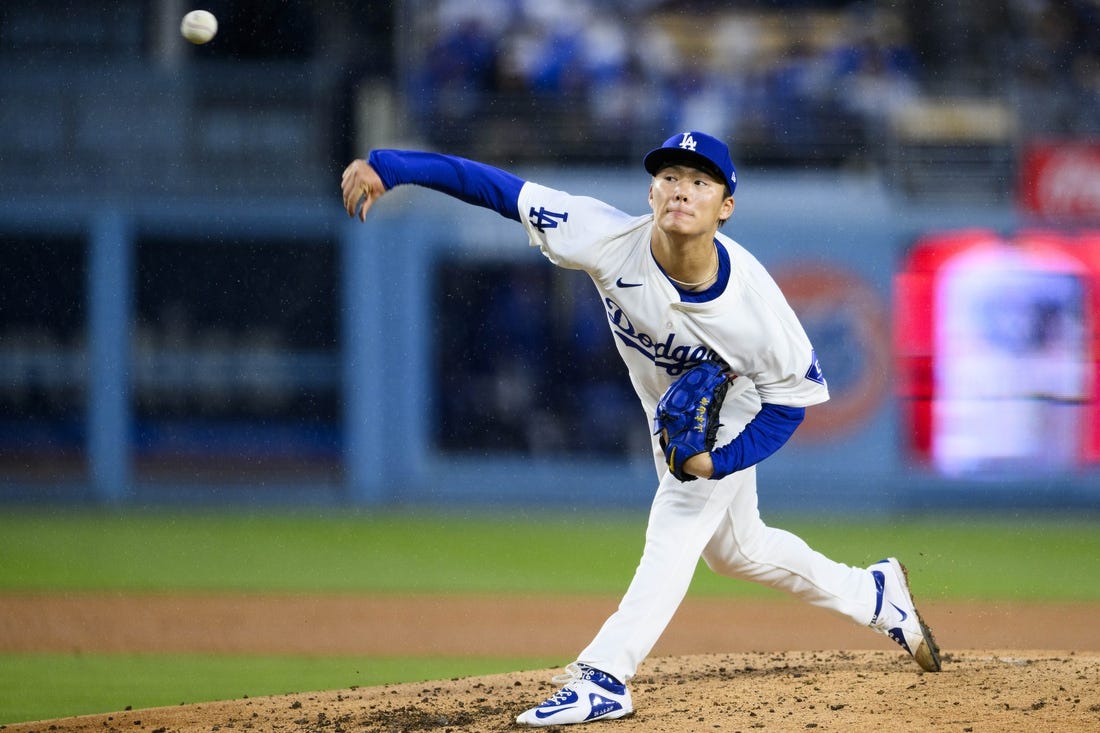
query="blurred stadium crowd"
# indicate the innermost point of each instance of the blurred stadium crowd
(819, 81)
(791, 83)
(601, 79)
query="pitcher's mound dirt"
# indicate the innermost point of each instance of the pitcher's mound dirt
(872, 691)
(760, 681)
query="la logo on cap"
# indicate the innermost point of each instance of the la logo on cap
(688, 142)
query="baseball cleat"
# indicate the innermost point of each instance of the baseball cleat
(588, 694)
(896, 614)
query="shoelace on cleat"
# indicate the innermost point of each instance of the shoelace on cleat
(573, 673)
(558, 697)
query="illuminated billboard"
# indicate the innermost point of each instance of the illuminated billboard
(998, 351)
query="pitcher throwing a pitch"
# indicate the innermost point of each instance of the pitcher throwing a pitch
(721, 364)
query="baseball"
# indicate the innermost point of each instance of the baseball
(199, 26)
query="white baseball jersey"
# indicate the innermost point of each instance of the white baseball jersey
(749, 325)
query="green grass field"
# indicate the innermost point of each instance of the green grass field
(62, 551)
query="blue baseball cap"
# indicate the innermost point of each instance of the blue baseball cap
(697, 149)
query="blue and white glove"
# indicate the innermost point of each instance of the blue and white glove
(687, 415)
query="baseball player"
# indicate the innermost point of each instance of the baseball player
(679, 297)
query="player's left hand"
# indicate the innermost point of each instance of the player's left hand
(361, 186)
(687, 419)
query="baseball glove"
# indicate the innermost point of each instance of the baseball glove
(687, 415)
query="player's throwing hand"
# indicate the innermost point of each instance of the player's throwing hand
(361, 186)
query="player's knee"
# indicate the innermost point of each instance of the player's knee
(730, 563)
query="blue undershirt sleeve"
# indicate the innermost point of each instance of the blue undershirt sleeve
(764, 435)
(467, 180)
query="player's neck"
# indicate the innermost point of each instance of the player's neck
(691, 263)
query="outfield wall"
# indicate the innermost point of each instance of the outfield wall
(338, 363)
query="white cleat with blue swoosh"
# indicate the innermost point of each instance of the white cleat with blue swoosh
(896, 614)
(588, 695)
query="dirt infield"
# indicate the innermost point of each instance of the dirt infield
(723, 664)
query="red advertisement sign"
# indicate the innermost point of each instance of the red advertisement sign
(1061, 180)
(998, 350)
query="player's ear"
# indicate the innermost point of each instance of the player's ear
(726, 211)
(727, 208)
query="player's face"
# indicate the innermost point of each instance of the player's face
(688, 201)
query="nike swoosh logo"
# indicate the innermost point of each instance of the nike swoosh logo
(541, 715)
(904, 615)
(620, 284)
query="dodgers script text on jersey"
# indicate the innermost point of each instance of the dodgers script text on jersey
(663, 351)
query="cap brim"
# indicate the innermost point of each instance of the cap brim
(660, 158)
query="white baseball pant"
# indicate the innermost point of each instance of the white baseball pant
(719, 520)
